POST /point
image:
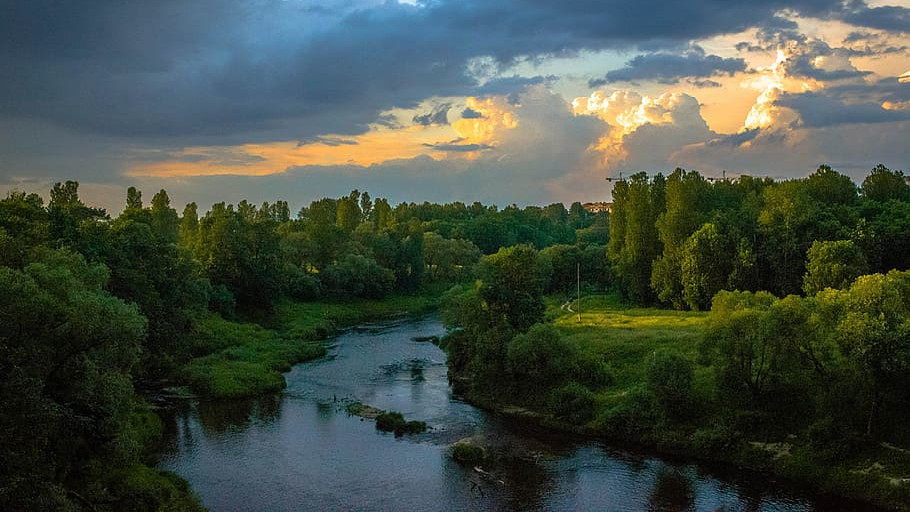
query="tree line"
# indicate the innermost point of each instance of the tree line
(678, 240)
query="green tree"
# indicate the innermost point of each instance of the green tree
(832, 264)
(348, 214)
(883, 184)
(669, 379)
(874, 332)
(25, 225)
(188, 233)
(785, 224)
(636, 207)
(67, 214)
(165, 223)
(704, 266)
(358, 276)
(540, 358)
(66, 350)
(512, 285)
(686, 197)
(830, 187)
(745, 354)
(448, 259)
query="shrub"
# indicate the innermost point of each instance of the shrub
(467, 454)
(670, 377)
(573, 403)
(393, 421)
(633, 418)
(302, 285)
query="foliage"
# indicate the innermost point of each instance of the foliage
(704, 270)
(832, 264)
(393, 421)
(573, 403)
(448, 259)
(542, 358)
(512, 282)
(634, 242)
(574, 263)
(358, 276)
(66, 351)
(832, 366)
(669, 379)
(883, 184)
(467, 454)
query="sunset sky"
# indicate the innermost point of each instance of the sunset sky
(502, 101)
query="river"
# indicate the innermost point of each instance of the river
(301, 450)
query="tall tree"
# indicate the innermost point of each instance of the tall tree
(883, 184)
(65, 358)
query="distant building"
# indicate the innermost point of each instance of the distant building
(598, 207)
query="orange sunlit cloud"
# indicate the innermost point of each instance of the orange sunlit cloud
(380, 144)
(626, 111)
(495, 116)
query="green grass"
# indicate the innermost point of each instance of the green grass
(237, 359)
(627, 337)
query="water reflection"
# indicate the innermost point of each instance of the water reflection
(222, 417)
(672, 491)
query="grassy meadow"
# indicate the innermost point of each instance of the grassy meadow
(627, 337)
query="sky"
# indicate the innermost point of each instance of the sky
(499, 101)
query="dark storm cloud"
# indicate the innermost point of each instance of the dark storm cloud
(704, 84)
(439, 115)
(224, 72)
(819, 110)
(890, 18)
(669, 68)
(505, 86)
(328, 141)
(470, 113)
(736, 139)
(862, 44)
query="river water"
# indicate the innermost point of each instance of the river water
(301, 450)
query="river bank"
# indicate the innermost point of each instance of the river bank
(234, 359)
(623, 411)
(759, 460)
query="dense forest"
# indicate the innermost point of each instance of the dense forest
(805, 348)
(93, 308)
(805, 338)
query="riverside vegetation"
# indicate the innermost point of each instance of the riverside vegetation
(813, 385)
(93, 308)
(219, 305)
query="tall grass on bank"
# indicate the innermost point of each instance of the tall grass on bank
(233, 359)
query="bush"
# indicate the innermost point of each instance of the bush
(467, 454)
(573, 403)
(830, 441)
(633, 418)
(359, 276)
(540, 356)
(221, 300)
(715, 440)
(301, 285)
(393, 421)
(670, 377)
